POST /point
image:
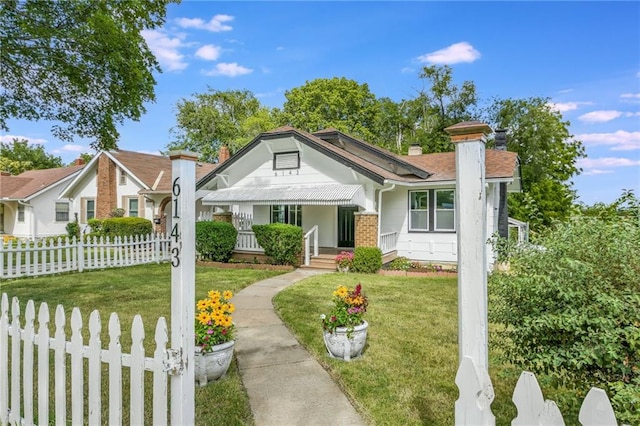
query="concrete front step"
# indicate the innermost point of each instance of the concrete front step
(322, 261)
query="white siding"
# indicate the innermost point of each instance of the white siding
(326, 217)
(420, 246)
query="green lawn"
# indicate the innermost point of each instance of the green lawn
(406, 374)
(144, 290)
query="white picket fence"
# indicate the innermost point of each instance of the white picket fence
(29, 258)
(19, 405)
(476, 395)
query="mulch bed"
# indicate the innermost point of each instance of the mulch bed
(415, 272)
(239, 265)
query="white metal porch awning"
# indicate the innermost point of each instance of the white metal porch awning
(319, 195)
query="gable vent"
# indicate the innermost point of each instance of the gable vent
(286, 160)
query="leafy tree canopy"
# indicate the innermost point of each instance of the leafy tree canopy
(19, 156)
(82, 63)
(335, 102)
(214, 118)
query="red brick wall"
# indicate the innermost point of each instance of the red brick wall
(106, 198)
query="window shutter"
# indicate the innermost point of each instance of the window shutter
(289, 160)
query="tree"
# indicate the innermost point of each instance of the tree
(82, 63)
(340, 103)
(440, 105)
(548, 156)
(19, 156)
(215, 118)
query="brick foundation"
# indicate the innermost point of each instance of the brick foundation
(222, 217)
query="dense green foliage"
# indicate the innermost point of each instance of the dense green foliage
(19, 156)
(367, 260)
(82, 63)
(95, 225)
(216, 118)
(570, 308)
(73, 229)
(126, 226)
(281, 242)
(215, 240)
(548, 155)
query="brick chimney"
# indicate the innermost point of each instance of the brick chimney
(106, 191)
(79, 162)
(223, 154)
(415, 149)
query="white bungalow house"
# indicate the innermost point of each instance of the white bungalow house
(348, 193)
(30, 203)
(138, 183)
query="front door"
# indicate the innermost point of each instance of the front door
(346, 226)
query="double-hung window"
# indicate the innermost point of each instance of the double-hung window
(133, 207)
(432, 210)
(20, 213)
(62, 212)
(90, 209)
(418, 210)
(287, 214)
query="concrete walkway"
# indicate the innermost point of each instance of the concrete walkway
(286, 386)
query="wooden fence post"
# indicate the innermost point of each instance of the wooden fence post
(471, 230)
(183, 262)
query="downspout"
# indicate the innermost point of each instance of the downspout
(380, 208)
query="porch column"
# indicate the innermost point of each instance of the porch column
(366, 229)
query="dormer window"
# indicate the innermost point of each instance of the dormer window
(286, 160)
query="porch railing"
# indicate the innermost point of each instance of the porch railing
(307, 244)
(247, 242)
(388, 242)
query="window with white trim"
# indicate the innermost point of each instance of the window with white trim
(90, 209)
(445, 219)
(20, 213)
(287, 214)
(133, 207)
(286, 160)
(62, 212)
(418, 210)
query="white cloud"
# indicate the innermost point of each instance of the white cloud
(620, 140)
(630, 96)
(209, 52)
(407, 70)
(30, 140)
(72, 148)
(216, 24)
(566, 106)
(166, 49)
(456, 53)
(598, 166)
(600, 116)
(228, 70)
(565, 91)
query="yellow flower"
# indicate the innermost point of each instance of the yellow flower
(227, 295)
(228, 321)
(341, 291)
(214, 295)
(202, 304)
(231, 307)
(203, 317)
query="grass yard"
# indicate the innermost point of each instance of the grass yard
(144, 290)
(407, 372)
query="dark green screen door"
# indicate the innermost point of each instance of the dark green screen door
(346, 226)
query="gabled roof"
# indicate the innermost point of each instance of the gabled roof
(377, 163)
(28, 184)
(151, 172)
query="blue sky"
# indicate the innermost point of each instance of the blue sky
(584, 56)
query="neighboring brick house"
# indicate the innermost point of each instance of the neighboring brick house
(138, 183)
(30, 203)
(351, 193)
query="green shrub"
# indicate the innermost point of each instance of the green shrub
(281, 242)
(400, 264)
(73, 229)
(215, 240)
(95, 225)
(118, 212)
(367, 260)
(126, 226)
(569, 308)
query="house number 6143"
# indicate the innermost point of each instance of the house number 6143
(175, 231)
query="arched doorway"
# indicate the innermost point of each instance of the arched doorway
(164, 210)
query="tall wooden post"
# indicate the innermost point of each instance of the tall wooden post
(471, 229)
(183, 263)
